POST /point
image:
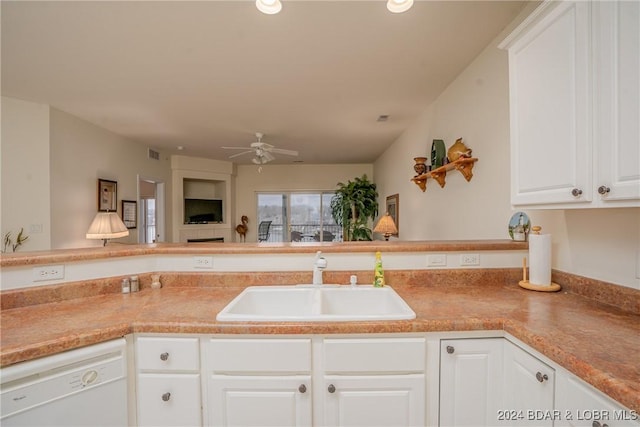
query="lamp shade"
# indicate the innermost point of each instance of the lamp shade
(386, 226)
(107, 225)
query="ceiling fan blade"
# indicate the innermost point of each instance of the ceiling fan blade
(240, 154)
(268, 156)
(283, 151)
(236, 148)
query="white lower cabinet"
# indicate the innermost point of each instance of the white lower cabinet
(580, 405)
(528, 388)
(373, 381)
(376, 400)
(495, 382)
(470, 381)
(361, 380)
(236, 400)
(259, 382)
(168, 381)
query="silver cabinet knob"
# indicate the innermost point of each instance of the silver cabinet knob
(166, 396)
(576, 192)
(541, 377)
(164, 356)
(603, 189)
(331, 388)
(302, 388)
(450, 349)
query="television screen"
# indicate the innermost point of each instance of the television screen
(202, 211)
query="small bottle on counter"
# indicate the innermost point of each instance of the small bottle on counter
(135, 284)
(378, 272)
(126, 287)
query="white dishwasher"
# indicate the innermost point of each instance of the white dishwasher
(82, 387)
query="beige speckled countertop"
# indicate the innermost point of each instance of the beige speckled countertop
(598, 342)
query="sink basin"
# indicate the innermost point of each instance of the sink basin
(305, 303)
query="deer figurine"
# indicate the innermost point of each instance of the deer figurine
(242, 229)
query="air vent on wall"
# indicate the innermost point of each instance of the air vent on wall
(153, 154)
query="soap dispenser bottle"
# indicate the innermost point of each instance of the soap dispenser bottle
(378, 273)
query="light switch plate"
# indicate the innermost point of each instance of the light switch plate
(437, 260)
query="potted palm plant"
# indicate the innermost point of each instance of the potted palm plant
(353, 205)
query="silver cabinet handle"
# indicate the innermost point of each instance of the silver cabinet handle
(302, 388)
(603, 189)
(541, 377)
(576, 192)
(450, 349)
(166, 396)
(164, 356)
(331, 388)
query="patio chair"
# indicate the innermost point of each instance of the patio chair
(263, 231)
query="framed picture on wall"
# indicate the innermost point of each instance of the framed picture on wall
(393, 209)
(107, 195)
(130, 213)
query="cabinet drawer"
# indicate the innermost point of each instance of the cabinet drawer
(374, 355)
(167, 354)
(169, 400)
(259, 355)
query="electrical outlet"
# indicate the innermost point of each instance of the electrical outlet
(203, 261)
(48, 272)
(469, 259)
(436, 260)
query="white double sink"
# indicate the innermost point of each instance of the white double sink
(321, 303)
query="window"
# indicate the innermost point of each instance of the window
(298, 217)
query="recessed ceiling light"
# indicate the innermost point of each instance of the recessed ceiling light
(399, 6)
(270, 7)
(180, 147)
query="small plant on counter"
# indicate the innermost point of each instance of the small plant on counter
(9, 243)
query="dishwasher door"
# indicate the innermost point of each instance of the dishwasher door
(83, 387)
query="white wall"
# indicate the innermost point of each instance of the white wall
(474, 107)
(80, 154)
(602, 244)
(25, 195)
(249, 181)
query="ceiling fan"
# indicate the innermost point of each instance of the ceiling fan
(261, 150)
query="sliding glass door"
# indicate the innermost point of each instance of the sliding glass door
(298, 217)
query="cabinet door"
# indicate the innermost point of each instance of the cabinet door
(470, 381)
(528, 388)
(550, 102)
(617, 84)
(169, 400)
(260, 400)
(368, 401)
(579, 405)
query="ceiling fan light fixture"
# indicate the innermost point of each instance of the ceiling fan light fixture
(258, 160)
(269, 7)
(399, 6)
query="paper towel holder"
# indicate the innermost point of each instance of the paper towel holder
(524, 283)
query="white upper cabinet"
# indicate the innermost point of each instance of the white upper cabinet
(573, 76)
(617, 95)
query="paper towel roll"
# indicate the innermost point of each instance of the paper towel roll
(540, 259)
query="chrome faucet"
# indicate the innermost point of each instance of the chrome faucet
(319, 265)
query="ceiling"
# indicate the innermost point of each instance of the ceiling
(206, 74)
